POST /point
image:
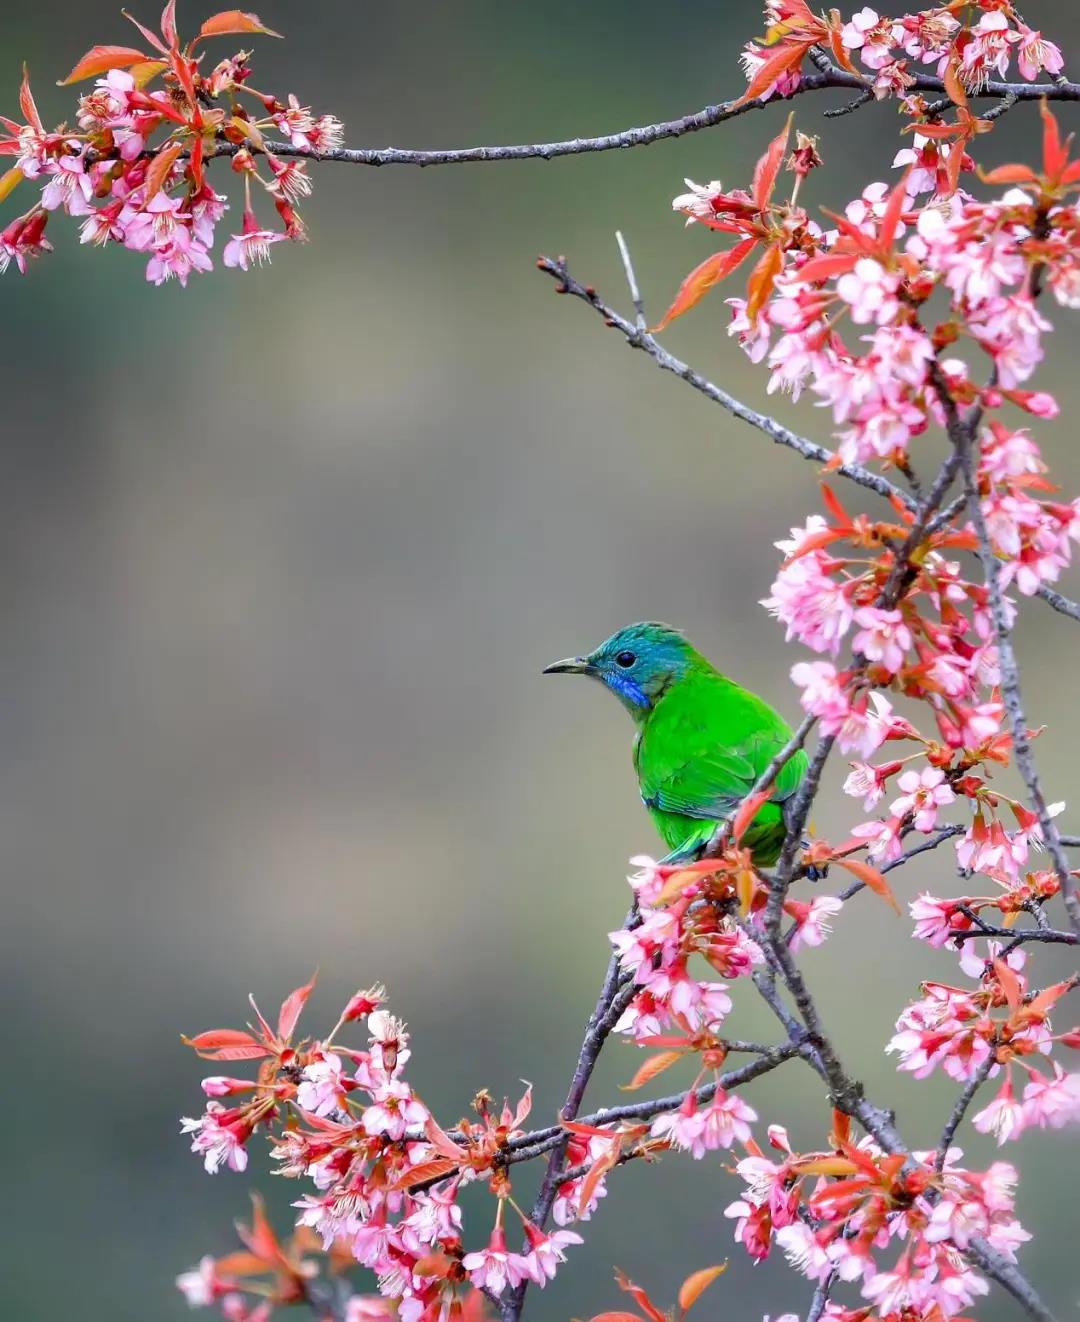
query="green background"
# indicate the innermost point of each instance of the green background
(283, 555)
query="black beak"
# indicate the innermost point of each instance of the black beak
(572, 665)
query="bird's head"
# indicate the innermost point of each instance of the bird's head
(638, 664)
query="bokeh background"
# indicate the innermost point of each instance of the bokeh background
(283, 555)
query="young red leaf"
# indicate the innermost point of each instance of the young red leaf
(894, 208)
(762, 279)
(159, 169)
(640, 1296)
(1010, 984)
(1009, 174)
(168, 24)
(696, 1284)
(702, 278)
(953, 86)
(596, 1173)
(652, 1067)
(818, 269)
(615, 1317)
(231, 21)
(1054, 153)
(428, 1170)
(775, 66)
(225, 1044)
(291, 1007)
(871, 877)
(768, 167)
(27, 104)
(100, 59)
(240, 1263)
(748, 810)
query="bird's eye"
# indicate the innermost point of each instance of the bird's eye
(625, 659)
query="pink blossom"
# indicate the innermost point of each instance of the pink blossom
(494, 1267)
(936, 920)
(545, 1254)
(1052, 1102)
(1035, 53)
(882, 838)
(251, 246)
(869, 290)
(884, 637)
(321, 1089)
(922, 794)
(1004, 1117)
(200, 1287)
(393, 1111)
(219, 1137)
(804, 1251)
(870, 35)
(727, 1120)
(813, 925)
(684, 1129)
(867, 782)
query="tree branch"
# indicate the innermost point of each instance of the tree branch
(646, 134)
(556, 267)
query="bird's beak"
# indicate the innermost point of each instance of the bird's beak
(572, 665)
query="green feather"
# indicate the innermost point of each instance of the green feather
(703, 741)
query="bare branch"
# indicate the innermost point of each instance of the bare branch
(776, 431)
(958, 1112)
(646, 134)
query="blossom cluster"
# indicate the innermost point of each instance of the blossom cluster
(965, 45)
(132, 170)
(890, 1225)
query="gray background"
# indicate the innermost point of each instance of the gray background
(283, 555)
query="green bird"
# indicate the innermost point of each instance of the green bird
(702, 741)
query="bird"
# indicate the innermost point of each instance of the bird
(702, 740)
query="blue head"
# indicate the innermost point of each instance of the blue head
(638, 664)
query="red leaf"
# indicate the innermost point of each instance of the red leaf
(696, 1284)
(640, 1296)
(762, 279)
(260, 1237)
(871, 877)
(291, 1007)
(27, 104)
(100, 59)
(748, 810)
(226, 1044)
(835, 506)
(168, 24)
(151, 37)
(159, 169)
(615, 1317)
(894, 208)
(234, 20)
(239, 1263)
(1009, 174)
(428, 1170)
(1055, 154)
(1010, 984)
(953, 86)
(702, 278)
(778, 63)
(597, 1171)
(652, 1067)
(818, 269)
(768, 167)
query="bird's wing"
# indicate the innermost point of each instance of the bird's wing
(702, 758)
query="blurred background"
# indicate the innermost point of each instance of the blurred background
(284, 554)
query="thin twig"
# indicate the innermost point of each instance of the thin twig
(958, 1112)
(631, 280)
(962, 438)
(776, 431)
